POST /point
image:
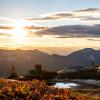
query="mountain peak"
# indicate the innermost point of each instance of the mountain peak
(87, 49)
(38, 52)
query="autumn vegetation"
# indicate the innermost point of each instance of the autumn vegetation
(37, 90)
(34, 87)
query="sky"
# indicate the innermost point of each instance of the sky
(50, 25)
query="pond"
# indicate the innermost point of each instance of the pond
(65, 85)
(79, 84)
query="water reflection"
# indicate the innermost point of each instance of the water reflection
(65, 85)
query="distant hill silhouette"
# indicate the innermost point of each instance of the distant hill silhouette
(25, 60)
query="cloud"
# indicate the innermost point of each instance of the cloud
(35, 27)
(89, 14)
(56, 16)
(6, 19)
(89, 10)
(6, 27)
(91, 19)
(53, 16)
(71, 31)
(93, 39)
(62, 37)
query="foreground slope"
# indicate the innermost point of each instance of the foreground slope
(38, 90)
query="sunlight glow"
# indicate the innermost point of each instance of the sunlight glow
(19, 33)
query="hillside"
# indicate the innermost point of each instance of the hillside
(25, 60)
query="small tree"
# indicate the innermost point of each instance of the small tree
(13, 74)
(38, 68)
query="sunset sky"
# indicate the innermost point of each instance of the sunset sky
(51, 25)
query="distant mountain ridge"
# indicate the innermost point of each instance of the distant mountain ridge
(25, 60)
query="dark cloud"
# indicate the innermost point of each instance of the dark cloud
(70, 31)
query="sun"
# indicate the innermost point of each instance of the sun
(18, 32)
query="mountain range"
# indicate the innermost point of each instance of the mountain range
(24, 60)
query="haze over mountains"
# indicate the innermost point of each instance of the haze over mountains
(24, 60)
